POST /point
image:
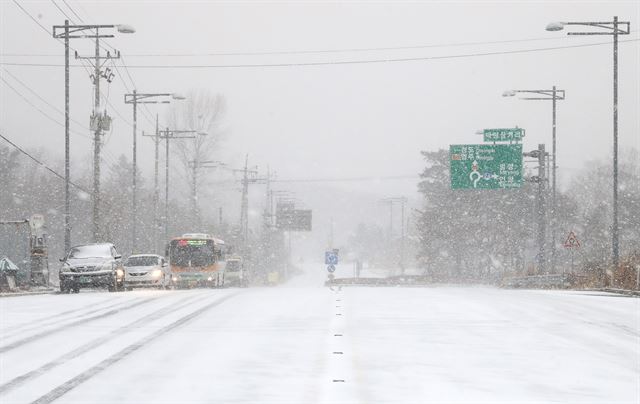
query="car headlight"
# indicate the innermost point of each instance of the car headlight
(156, 273)
(119, 273)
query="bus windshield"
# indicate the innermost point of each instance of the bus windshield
(194, 253)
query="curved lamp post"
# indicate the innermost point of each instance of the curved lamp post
(66, 32)
(614, 28)
(552, 95)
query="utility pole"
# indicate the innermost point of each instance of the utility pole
(541, 208)
(554, 95)
(134, 210)
(248, 176)
(267, 206)
(76, 31)
(99, 122)
(244, 203)
(541, 155)
(194, 196)
(141, 98)
(613, 28)
(402, 236)
(67, 207)
(168, 135)
(156, 188)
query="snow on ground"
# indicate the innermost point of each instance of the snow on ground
(305, 343)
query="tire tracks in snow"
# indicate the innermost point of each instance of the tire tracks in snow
(118, 356)
(83, 320)
(56, 319)
(95, 343)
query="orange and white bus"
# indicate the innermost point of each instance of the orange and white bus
(196, 259)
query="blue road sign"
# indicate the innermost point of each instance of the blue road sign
(331, 268)
(330, 258)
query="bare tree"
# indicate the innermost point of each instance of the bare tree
(202, 111)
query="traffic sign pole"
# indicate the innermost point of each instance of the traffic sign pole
(542, 225)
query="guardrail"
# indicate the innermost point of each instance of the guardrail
(555, 281)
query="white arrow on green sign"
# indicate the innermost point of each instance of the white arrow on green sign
(484, 166)
(503, 134)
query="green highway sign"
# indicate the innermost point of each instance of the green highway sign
(503, 134)
(484, 166)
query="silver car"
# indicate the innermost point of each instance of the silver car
(146, 270)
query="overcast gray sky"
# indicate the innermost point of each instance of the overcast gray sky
(333, 120)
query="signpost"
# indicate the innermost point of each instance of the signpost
(572, 243)
(331, 260)
(482, 166)
(503, 135)
(290, 219)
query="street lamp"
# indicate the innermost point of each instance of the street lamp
(552, 95)
(142, 98)
(125, 29)
(614, 28)
(67, 31)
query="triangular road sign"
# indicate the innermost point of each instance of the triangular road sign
(572, 241)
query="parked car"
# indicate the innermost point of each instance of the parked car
(146, 270)
(91, 265)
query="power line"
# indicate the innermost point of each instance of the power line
(41, 163)
(317, 51)
(36, 107)
(343, 62)
(343, 50)
(86, 69)
(32, 17)
(73, 11)
(146, 113)
(42, 99)
(38, 23)
(62, 11)
(82, 64)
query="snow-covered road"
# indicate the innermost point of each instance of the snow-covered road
(305, 343)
